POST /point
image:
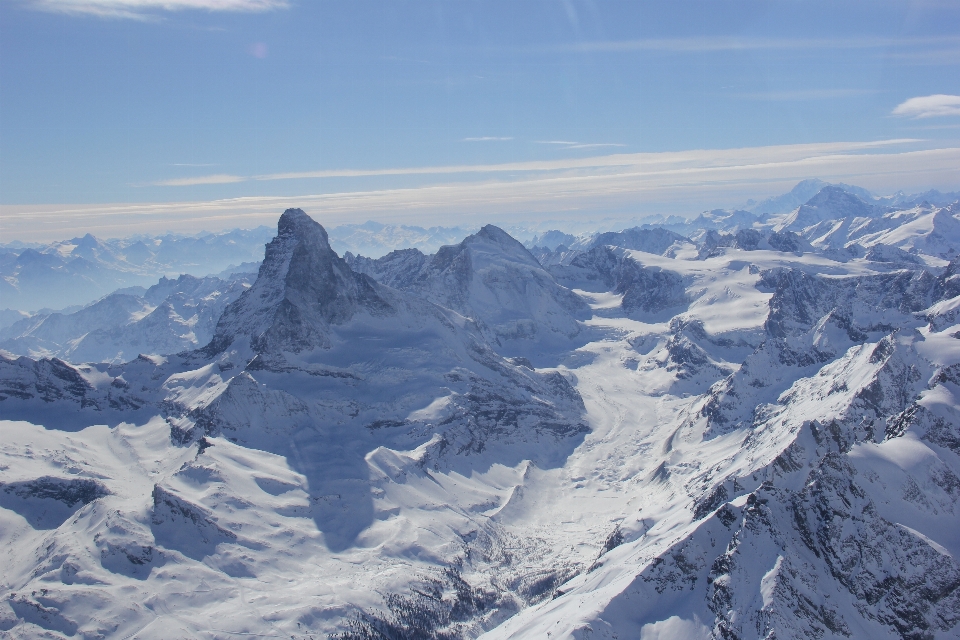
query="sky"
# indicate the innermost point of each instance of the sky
(132, 116)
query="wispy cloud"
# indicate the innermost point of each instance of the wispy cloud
(220, 178)
(146, 9)
(488, 139)
(682, 182)
(593, 145)
(929, 106)
(569, 144)
(620, 162)
(580, 189)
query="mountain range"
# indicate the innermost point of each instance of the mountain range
(747, 429)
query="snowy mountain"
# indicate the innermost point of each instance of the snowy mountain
(493, 279)
(169, 317)
(81, 270)
(803, 192)
(737, 432)
(925, 230)
(376, 239)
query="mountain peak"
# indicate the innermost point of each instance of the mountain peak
(833, 194)
(808, 185)
(833, 202)
(295, 222)
(496, 234)
(302, 288)
(506, 246)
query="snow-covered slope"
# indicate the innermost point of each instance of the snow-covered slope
(831, 203)
(742, 440)
(171, 316)
(493, 279)
(331, 423)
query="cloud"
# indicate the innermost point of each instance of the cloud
(591, 145)
(219, 178)
(488, 139)
(145, 9)
(569, 144)
(609, 163)
(577, 190)
(929, 107)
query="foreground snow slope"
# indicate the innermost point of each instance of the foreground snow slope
(732, 444)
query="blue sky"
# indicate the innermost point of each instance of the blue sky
(233, 109)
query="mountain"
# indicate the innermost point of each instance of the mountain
(376, 239)
(551, 240)
(830, 203)
(923, 230)
(81, 270)
(655, 240)
(806, 516)
(802, 193)
(169, 317)
(326, 409)
(742, 435)
(902, 200)
(493, 279)
(32, 280)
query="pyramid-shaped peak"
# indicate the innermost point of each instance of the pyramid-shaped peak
(302, 289)
(295, 222)
(88, 241)
(496, 234)
(501, 242)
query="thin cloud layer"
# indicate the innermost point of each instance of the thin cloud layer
(219, 178)
(929, 106)
(141, 9)
(608, 164)
(627, 184)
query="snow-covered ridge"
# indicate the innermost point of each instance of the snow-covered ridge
(734, 435)
(169, 317)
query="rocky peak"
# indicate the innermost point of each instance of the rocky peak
(656, 240)
(302, 288)
(833, 196)
(502, 244)
(830, 203)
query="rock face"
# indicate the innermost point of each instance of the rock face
(745, 437)
(303, 288)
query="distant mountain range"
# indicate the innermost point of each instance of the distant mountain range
(61, 275)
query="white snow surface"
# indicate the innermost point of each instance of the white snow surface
(773, 452)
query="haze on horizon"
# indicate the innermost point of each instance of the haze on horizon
(133, 116)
